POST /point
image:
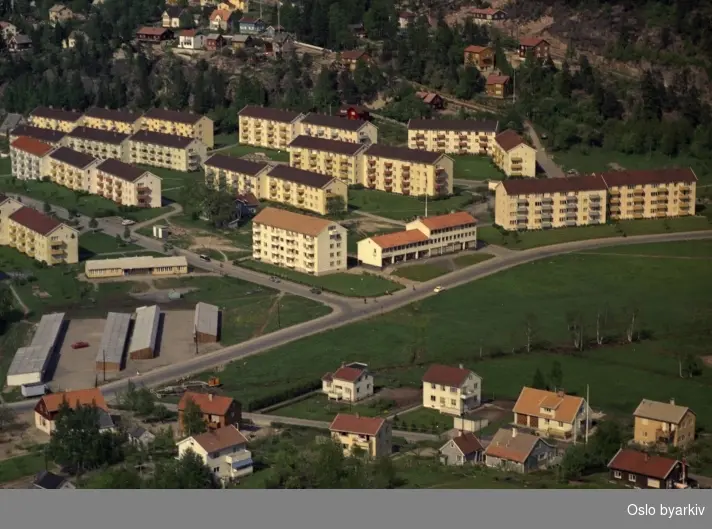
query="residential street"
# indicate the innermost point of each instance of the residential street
(542, 158)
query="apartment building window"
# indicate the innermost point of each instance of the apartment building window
(442, 401)
(432, 398)
(453, 390)
(453, 402)
(216, 470)
(432, 386)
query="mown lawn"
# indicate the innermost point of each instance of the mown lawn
(424, 420)
(401, 207)
(471, 259)
(172, 182)
(249, 310)
(93, 243)
(319, 408)
(473, 167)
(242, 150)
(21, 466)
(672, 311)
(534, 239)
(351, 285)
(422, 272)
(695, 249)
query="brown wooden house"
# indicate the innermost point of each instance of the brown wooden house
(215, 42)
(644, 471)
(482, 57)
(355, 112)
(154, 35)
(432, 99)
(218, 410)
(350, 58)
(498, 86)
(538, 47)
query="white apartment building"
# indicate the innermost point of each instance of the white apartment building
(451, 390)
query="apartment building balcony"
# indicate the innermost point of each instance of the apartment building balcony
(545, 201)
(639, 192)
(420, 144)
(639, 208)
(638, 216)
(420, 136)
(570, 222)
(614, 192)
(388, 165)
(594, 214)
(522, 217)
(684, 198)
(372, 163)
(463, 144)
(388, 172)
(522, 209)
(440, 137)
(571, 200)
(522, 202)
(388, 188)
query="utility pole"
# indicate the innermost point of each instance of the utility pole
(588, 406)
(279, 317)
(103, 354)
(195, 339)
(514, 90)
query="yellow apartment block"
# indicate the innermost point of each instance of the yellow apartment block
(48, 136)
(663, 423)
(513, 156)
(166, 150)
(268, 127)
(40, 237)
(121, 121)
(71, 169)
(126, 185)
(338, 159)
(304, 189)
(407, 171)
(177, 123)
(539, 203)
(298, 242)
(369, 435)
(452, 136)
(422, 238)
(28, 158)
(649, 194)
(235, 174)
(8, 206)
(98, 143)
(338, 128)
(143, 265)
(54, 119)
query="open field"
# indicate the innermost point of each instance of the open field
(89, 205)
(390, 133)
(97, 243)
(5, 166)
(673, 313)
(425, 420)
(473, 167)
(401, 207)
(241, 150)
(532, 239)
(21, 466)
(319, 408)
(470, 259)
(342, 283)
(598, 160)
(173, 181)
(430, 270)
(672, 249)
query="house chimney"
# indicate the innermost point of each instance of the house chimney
(672, 401)
(560, 393)
(358, 415)
(462, 366)
(210, 397)
(514, 432)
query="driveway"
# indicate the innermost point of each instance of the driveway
(542, 158)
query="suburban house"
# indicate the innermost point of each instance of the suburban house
(252, 25)
(451, 390)
(644, 471)
(481, 57)
(518, 451)
(46, 480)
(370, 434)
(498, 86)
(215, 42)
(513, 156)
(223, 450)
(351, 383)
(350, 58)
(405, 19)
(221, 19)
(139, 436)
(537, 46)
(73, 38)
(238, 42)
(551, 414)
(47, 409)
(171, 16)
(486, 15)
(433, 100)
(422, 238)
(59, 14)
(19, 42)
(453, 136)
(7, 30)
(463, 449)
(190, 39)
(218, 411)
(154, 35)
(663, 423)
(246, 205)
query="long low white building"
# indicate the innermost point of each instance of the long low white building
(206, 323)
(110, 356)
(30, 363)
(140, 265)
(145, 333)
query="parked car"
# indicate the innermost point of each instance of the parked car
(438, 289)
(274, 279)
(127, 222)
(315, 290)
(204, 258)
(80, 345)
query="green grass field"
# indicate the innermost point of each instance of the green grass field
(693, 249)
(473, 167)
(172, 181)
(422, 272)
(96, 243)
(463, 261)
(400, 207)
(391, 134)
(22, 466)
(423, 420)
(534, 239)
(249, 310)
(351, 285)
(5, 166)
(242, 150)
(491, 313)
(319, 408)
(598, 160)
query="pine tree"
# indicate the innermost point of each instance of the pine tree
(539, 382)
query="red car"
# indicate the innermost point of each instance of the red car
(79, 345)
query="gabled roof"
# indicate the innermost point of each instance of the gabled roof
(403, 154)
(31, 146)
(36, 221)
(446, 375)
(207, 402)
(512, 445)
(147, 30)
(81, 397)
(158, 138)
(38, 133)
(565, 407)
(456, 125)
(449, 220)
(344, 422)
(56, 113)
(122, 116)
(189, 33)
(300, 176)
(399, 238)
(287, 220)
(497, 79)
(567, 184)
(323, 144)
(641, 463)
(174, 11)
(353, 55)
(223, 14)
(176, 116)
(347, 373)
(472, 48)
(661, 411)
(271, 114)
(509, 139)
(532, 41)
(237, 165)
(334, 122)
(643, 177)
(71, 157)
(220, 439)
(99, 135)
(249, 199)
(121, 170)
(466, 442)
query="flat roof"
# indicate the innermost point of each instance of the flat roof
(30, 359)
(128, 263)
(206, 318)
(113, 340)
(145, 328)
(48, 329)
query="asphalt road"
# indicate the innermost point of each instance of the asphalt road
(352, 313)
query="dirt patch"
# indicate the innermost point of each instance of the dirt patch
(707, 360)
(15, 442)
(616, 166)
(402, 396)
(212, 241)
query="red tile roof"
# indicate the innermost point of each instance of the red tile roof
(642, 464)
(468, 443)
(347, 373)
(449, 220)
(353, 55)
(207, 402)
(648, 177)
(497, 79)
(146, 30)
(509, 139)
(189, 33)
(472, 48)
(399, 238)
(31, 145)
(446, 375)
(532, 41)
(356, 424)
(224, 15)
(82, 397)
(35, 220)
(220, 439)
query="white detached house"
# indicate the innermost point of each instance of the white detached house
(223, 450)
(190, 39)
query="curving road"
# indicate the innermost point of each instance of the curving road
(351, 312)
